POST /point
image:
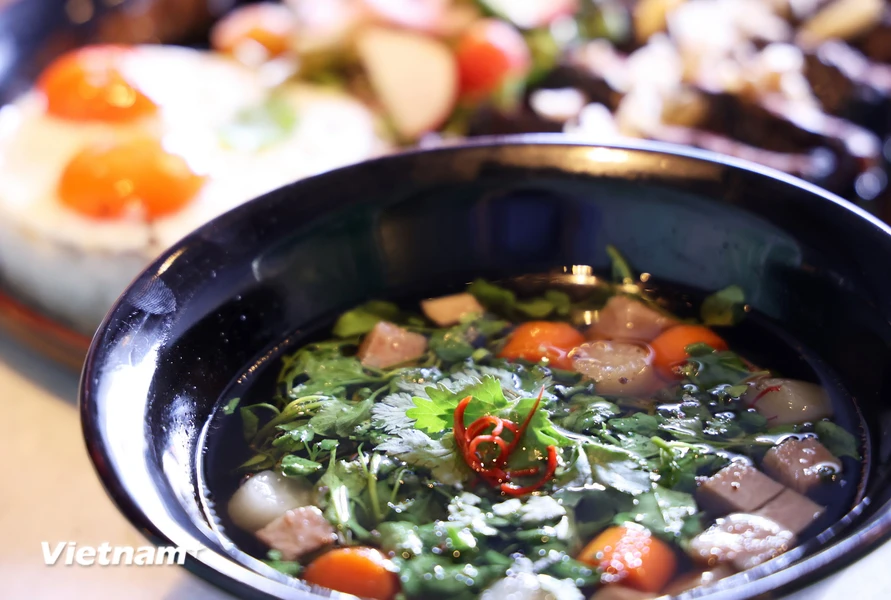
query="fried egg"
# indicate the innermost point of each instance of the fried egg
(119, 152)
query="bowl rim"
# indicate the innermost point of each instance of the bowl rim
(223, 571)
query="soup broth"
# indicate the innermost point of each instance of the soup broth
(529, 437)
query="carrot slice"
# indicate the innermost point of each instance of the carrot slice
(632, 555)
(361, 571)
(670, 346)
(538, 340)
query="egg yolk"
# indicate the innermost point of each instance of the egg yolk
(87, 85)
(133, 177)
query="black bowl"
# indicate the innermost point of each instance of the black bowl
(226, 295)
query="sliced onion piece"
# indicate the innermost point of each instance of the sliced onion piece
(265, 497)
(617, 368)
(788, 401)
(625, 318)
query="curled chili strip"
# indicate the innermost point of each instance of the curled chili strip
(509, 488)
(469, 438)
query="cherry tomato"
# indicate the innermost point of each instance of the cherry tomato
(269, 25)
(363, 572)
(489, 54)
(137, 176)
(538, 340)
(671, 346)
(87, 85)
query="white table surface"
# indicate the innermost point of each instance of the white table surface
(49, 492)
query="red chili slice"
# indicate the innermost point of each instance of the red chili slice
(469, 439)
(513, 490)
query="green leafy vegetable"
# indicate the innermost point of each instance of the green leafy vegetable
(621, 270)
(837, 440)
(617, 468)
(340, 418)
(288, 567)
(664, 512)
(435, 413)
(494, 297)
(724, 307)
(294, 466)
(231, 406)
(594, 413)
(640, 423)
(707, 368)
(504, 302)
(438, 456)
(250, 421)
(362, 319)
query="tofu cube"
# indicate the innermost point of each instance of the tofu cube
(799, 463)
(388, 345)
(737, 488)
(448, 310)
(792, 510)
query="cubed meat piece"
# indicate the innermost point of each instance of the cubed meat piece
(788, 401)
(620, 592)
(737, 488)
(800, 464)
(388, 345)
(624, 318)
(449, 310)
(298, 532)
(699, 578)
(741, 541)
(791, 510)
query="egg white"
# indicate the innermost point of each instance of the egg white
(332, 130)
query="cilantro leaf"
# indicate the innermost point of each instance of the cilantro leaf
(440, 457)
(560, 300)
(459, 342)
(294, 466)
(494, 297)
(345, 482)
(435, 413)
(288, 567)
(295, 438)
(537, 308)
(250, 421)
(837, 440)
(362, 319)
(400, 537)
(592, 413)
(617, 468)
(340, 418)
(231, 406)
(389, 415)
(707, 368)
(541, 432)
(724, 307)
(664, 512)
(639, 423)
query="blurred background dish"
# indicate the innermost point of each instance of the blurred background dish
(266, 93)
